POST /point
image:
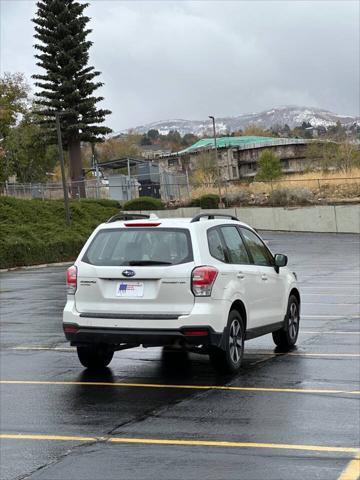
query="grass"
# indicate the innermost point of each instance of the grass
(35, 232)
(329, 185)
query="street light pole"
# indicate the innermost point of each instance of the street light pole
(96, 167)
(62, 165)
(216, 160)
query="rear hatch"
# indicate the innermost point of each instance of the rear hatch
(136, 271)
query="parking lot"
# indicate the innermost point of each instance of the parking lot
(285, 416)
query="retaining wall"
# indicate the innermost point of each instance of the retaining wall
(327, 218)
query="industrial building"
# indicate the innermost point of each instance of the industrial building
(131, 177)
(238, 156)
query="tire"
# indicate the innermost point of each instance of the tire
(95, 357)
(286, 337)
(228, 360)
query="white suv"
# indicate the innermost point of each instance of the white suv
(204, 284)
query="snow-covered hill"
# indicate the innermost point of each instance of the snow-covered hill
(290, 115)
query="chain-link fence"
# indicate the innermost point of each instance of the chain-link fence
(169, 188)
(177, 190)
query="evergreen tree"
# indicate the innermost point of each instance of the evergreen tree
(68, 84)
(269, 167)
(153, 135)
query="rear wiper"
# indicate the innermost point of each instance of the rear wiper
(133, 263)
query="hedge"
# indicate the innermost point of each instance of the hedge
(35, 232)
(206, 201)
(144, 203)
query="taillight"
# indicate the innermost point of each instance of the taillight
(196, 333)
(70, 328)
(202, 280)
(71, 280)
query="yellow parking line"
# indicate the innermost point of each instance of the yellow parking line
(184, 387)
(64, 438)
(352, 471)
(179, 442)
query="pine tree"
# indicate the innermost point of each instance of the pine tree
(68, 84)
(269, 167)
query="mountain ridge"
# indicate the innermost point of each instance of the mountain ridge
(291, 115)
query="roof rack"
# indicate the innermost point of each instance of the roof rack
(127, 216)
(211, 216)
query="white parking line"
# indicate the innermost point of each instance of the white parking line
(330, 304)
(332, 317)
(332, 332)
(331, 295)
(248, 352)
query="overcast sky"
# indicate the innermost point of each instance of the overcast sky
(179, 59)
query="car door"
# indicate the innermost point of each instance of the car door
(246, 275)
(271, 285)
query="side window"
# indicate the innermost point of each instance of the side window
(216, 248)
(235, 246)
(259, 252)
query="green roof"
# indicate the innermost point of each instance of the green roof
(240, 142)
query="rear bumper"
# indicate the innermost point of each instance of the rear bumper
(192, 336)
(212, 313)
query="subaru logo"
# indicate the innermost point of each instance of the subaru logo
(128, 273)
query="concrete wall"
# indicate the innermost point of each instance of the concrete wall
(327, 218)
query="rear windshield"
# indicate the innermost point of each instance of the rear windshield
(140, 246)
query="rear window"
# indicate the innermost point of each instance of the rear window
(140, 246)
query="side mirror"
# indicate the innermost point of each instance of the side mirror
(280, 261)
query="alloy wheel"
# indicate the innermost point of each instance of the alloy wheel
(293, 320)
(235, 341)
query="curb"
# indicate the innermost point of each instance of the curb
(32, 267)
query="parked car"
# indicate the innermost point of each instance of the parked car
(205, 284)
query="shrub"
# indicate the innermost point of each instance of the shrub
(144, 203)
(206, 201)
(34, 231)
(291, 196)
(101, 201)
(235, 199)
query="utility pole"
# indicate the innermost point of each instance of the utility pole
(96, 167)
(221, 205)
(62, 165)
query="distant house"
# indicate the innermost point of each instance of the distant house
(151, 152)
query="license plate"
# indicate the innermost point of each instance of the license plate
(130, 289)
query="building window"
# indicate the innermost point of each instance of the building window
(173, 161)
(234, 172)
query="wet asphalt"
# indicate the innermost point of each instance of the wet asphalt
(268, 424)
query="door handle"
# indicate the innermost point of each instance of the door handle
(240, 275)
(264, 277)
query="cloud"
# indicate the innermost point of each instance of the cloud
(182, 59)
